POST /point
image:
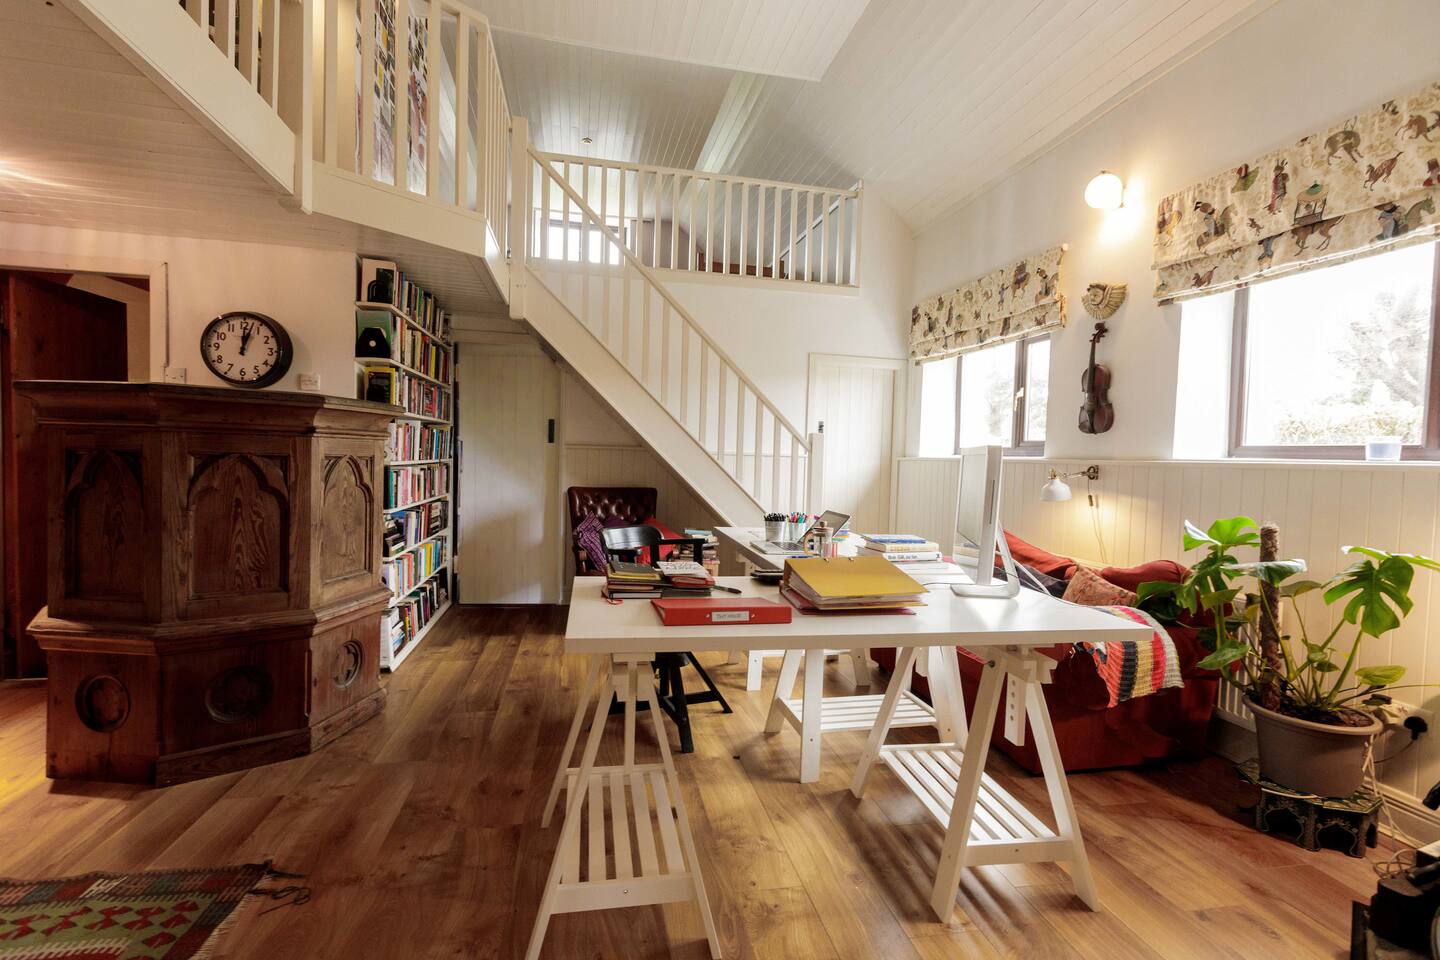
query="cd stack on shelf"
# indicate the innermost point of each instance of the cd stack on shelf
(403, 355)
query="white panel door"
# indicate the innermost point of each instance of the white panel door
(509, 514)
(858, 399)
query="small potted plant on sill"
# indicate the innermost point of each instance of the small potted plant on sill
(1315, 708)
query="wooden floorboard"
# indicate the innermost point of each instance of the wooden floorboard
(419, 836)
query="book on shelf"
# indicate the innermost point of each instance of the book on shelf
(411, 568)
(382, 281)
(413, 484)
(377, 383)
(419, 441)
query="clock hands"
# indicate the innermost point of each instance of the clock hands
(245, 332)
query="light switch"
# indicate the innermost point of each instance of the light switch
(310, 382)
(174, 374)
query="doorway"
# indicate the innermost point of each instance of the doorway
(509, 515)
(856, 402)
(55, 328)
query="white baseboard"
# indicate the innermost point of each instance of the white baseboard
(1414, 822)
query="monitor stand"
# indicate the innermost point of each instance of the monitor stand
(1000, 591)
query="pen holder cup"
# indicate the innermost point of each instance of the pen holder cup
(775, 529)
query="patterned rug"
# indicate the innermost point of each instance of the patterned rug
(167, 915)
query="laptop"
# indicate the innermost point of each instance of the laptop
(832, 519)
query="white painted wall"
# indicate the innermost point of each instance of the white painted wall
(1297, 67)
(310, 291)
(770, 327)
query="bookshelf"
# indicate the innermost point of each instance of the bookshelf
(414, 368)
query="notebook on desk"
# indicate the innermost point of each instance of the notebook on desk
(835, 583)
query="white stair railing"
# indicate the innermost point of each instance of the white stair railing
(603, 281)
(716, 223)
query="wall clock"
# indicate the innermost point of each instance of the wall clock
(246, 349)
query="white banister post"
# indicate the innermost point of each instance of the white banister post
(859, 225)
(519, 213)
(296, 97)
(814, 474)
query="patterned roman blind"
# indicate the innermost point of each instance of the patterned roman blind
(1365, 185)
(1004, 304)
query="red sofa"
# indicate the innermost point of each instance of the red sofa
(1092, 735)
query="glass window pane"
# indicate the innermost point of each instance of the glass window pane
(937, 408)
(987, 395)
(1339, 355)
(1037, 388)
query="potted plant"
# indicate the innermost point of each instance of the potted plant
(1315, 708)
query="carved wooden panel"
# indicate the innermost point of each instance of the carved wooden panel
(238, 518)
(347, 518)
(105, 551)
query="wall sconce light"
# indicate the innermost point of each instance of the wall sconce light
(1056, 489)
(1106, 191)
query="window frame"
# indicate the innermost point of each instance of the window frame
(1018, 446)
(1427, 449)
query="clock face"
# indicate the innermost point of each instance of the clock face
(246, 349)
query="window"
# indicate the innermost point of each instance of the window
(578, 234)
(1326, 359)
(993, 395)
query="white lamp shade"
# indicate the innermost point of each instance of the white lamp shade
(1056, 489)
(1105, 192)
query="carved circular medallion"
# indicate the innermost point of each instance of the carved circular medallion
(239, 693)
(103, 703)
(349, 658)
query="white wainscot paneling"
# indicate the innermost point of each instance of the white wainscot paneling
(1140, 506)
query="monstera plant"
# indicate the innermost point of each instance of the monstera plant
(1314, 703)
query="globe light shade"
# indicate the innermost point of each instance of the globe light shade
(1055, 490)
(1105, 192)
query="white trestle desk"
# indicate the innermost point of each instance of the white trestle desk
(983, 823)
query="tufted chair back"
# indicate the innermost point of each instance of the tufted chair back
(632, 505)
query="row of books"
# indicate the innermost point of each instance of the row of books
(415, 349)
(382, 281)
(409, 527)
(641, 581)
(419, 397)
(406, 485)
(408, 570)
(415, 612)
(418, 441)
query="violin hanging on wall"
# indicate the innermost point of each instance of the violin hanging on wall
(1096, 413)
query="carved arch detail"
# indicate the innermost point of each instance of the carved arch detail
(238, 521)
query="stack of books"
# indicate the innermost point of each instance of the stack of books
(901, 547)
(853, 584)
(641, 581)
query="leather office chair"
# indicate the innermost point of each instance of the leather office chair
(642, 545)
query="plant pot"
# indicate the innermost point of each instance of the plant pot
(1318, 758)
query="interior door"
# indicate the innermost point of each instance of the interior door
(509, 513)
(51, 332)
(858, 400)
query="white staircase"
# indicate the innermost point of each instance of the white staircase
(610, 318)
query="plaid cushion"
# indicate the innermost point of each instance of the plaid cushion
(587, 538)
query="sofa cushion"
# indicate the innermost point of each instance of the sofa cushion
(1089, 588)
(1050, 564)
(1130, 578)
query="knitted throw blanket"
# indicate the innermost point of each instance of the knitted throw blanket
(1135, 668)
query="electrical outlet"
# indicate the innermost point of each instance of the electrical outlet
(310, 382)
(174, 374)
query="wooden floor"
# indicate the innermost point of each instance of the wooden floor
(419, 833)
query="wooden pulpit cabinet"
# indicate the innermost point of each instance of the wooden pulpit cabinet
(214, 593)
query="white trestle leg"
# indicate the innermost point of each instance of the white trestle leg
(984, 823)
(606, 872)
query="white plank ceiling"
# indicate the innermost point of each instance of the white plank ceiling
(788, 38)
(928, 101)
(87, 141)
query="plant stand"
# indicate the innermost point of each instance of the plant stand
(1354, 816)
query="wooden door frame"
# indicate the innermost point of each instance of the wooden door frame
(497, 343)
(157, 272)
(899, 404)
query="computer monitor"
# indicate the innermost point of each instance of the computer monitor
(978, 534)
